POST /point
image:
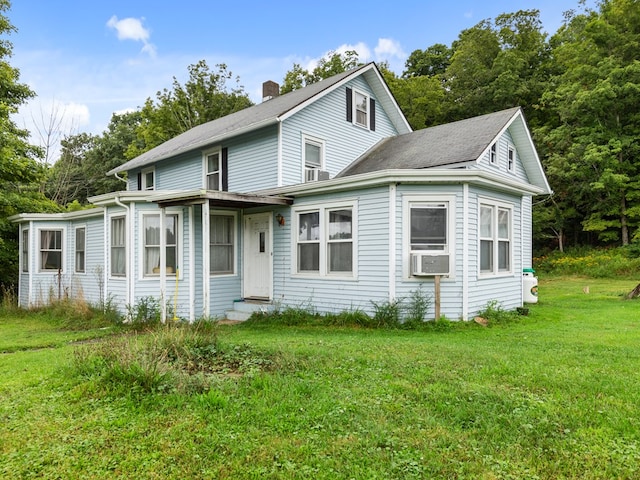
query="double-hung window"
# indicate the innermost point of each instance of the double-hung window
(148, 179)
(493, 154)
(222, 243)
(325, 241)
(511, 158)
(152, 243)
(51, 250)
(361, 109)
(215, 169)
(118, 247)
(313, 157)
(80, 249)
(25, 250)
(495, 238)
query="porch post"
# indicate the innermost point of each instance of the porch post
(163, 266)
(206, 268)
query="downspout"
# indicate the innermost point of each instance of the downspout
(120, 178)
(128, 240)
(192, 262)
(465, 251)
(392, 241)
(206, 268)
(163, 266)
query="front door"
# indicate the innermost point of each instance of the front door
(257, 256)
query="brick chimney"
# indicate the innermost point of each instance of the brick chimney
(270, 89)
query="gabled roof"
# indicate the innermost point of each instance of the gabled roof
(267, 113)
(452, 145)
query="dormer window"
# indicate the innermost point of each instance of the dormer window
(361, 109)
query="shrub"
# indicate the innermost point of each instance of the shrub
(494, 313)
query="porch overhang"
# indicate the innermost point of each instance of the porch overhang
(218, 199)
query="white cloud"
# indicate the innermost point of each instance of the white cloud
(389, 49)
(132, 29)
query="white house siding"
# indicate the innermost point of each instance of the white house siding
(253, 160)
(326, 120)
(451, 288)
(527, 234)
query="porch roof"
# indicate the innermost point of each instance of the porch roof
(217, 199)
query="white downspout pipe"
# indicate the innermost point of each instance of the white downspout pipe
(163, 266)
(465, 251)
(392, 241)
(192, 270)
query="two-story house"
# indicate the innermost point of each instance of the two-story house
(322, 197)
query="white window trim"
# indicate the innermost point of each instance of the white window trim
(205, 167)
(144, 173)
(179, 247)
(355, 93)
(75, 250)
(316, 141)
(494, 154)
(324, 209)
(511, 159)
(407, 202)
(24, 249)
(63, 249)
(236, 239)
(113, 217)
(496, 205)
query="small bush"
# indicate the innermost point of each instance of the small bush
(493, 313)
(387, 313)
(146, 311)
(179, 358)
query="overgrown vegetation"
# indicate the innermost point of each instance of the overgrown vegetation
(592, 262)
(171, 358)
(554, 395)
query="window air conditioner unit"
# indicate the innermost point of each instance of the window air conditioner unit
(314, 174)
(429, 265)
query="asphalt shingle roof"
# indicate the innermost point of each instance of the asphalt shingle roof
(244, 120)
(443, 145)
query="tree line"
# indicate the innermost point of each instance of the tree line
(579, 89)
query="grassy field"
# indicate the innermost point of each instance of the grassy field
(552, 395)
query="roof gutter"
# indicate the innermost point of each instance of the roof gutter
(385, 177)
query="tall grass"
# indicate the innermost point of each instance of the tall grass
(592, 262)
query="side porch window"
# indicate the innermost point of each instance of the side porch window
(80, 249)
(151, 225)
(118, 246)
(51, 250)
(429, 227)
(25, 250)
(222, 243)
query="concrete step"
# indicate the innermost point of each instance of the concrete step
(242, 309)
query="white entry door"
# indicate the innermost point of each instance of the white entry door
(257, 256)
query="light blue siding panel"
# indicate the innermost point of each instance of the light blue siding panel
(185, 172)
(501, 167)
(253, 160)
(326, 120)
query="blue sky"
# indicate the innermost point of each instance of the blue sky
(86, 60)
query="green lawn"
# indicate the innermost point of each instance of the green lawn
(554, 395)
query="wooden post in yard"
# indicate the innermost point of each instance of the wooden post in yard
(437, 295)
